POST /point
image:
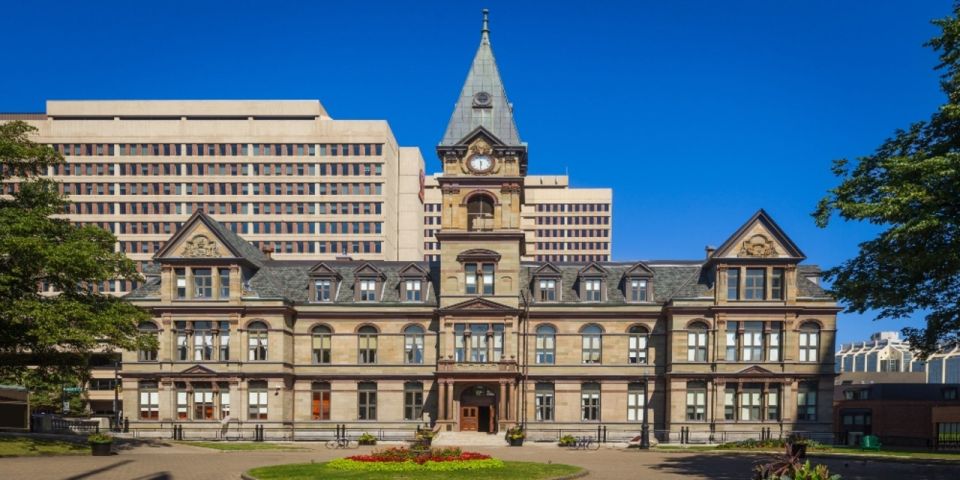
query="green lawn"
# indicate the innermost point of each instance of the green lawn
(512, 470)
(241, 446)
(32, 447)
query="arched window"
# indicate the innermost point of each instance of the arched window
(148, 354)
(809, 342)
(546, 344)
(592, 336)
(480, 213)
(697, 342)
(413, 344)
(257, 341)
(368, 344)
(320, 340)
(637, 345)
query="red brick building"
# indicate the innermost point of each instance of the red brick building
(909, 415)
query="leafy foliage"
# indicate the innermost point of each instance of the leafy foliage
(751, 444)
(567, 441)
(411, 466)
(910, 187)
(46, 340)
(789, 467)
(99, 438)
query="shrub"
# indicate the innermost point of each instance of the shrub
(567, 441)
(787, 467)
(769, 444)
(516, 433)
(367, 439)
(100, 438)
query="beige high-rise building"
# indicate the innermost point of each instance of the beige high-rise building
(284, 174)
(560, 223)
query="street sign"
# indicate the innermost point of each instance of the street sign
(73, 389)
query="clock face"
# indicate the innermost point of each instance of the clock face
(480, 163)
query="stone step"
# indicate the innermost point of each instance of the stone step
(469, 439)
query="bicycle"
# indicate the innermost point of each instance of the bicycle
(342, 442)
(586, 443)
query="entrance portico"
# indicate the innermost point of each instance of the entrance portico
(477, 405)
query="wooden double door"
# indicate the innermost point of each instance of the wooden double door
(477, 418)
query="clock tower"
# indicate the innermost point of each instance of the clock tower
(484, 164)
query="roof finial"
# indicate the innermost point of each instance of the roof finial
(485, 31)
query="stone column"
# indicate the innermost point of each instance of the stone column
(502, 408)
(450, 393)
(442, 400)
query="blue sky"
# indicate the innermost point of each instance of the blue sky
(695, 113)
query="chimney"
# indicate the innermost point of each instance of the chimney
(710, 249)
(267, 250)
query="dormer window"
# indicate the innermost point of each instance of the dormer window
(368, 290)
(592, 288)
(181, 274)
(413, 290)
(776, 284)
(548, 290)
(323, 290)
(755, 284)
(637, 290)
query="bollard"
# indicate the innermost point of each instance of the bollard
(126, 425)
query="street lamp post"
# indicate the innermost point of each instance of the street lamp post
(116, 394)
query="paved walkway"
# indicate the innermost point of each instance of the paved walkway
(180, 462)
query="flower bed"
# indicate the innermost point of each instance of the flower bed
(406, 460)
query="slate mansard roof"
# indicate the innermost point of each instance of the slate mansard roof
(290, 280)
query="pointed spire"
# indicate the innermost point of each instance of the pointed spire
(483, 99)
(485, 31)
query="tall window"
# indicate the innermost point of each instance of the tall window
(459, 342)
(149, 401)
(548, 289)
(413, 401)
(224, 341)
(367, 401)
(182, 402)
(479, 278)
(755, 285)
(368, 344)
(750, 402)
(592, 289)
(323, 290)
(320, 401)
(590, 401)
(368, 290)
(546, 345)
(224, 404)
(543, 399)
(637, 345)
(696, 401)
(752, 349)
(479, 343)
(202, 341)
(592, 336)
(224, 283)
(257, 341)
(638, 290)
(148, 355)
(413, 344)
(809, 342)
(773, 343)
(480, 213)
(202, 283)
(320, 339)
(776, 284)
(697, 343)
(181, 343)
(733, 283)
(412, 290)
(807, 402)
(773, 403)
(257, 401)
(733, 339)
(203, 408)
(181, 274)
(729, 401)
(636, 402)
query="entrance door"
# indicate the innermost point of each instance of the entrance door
(468, 419)
(485, 420)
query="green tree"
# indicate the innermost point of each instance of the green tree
(910, 187)
(46, 339)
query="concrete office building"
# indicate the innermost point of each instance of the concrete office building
(283, 174)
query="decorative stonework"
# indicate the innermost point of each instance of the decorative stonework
(200, 246)
(758, 246)
(481, 147)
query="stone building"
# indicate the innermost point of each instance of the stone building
(728, 344)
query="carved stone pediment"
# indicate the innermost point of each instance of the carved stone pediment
(758, 246)
(200, 246)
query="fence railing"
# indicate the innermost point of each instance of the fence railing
(252, 431)
(683, 435)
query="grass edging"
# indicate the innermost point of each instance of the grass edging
(880, 457)
(582, 473)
